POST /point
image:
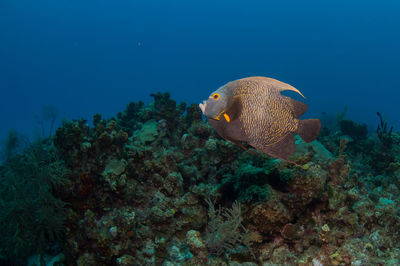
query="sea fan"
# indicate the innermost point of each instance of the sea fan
(31, 218)
(224, 231)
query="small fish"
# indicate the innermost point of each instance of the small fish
(252, 110)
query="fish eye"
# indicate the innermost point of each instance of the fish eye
(215, 96)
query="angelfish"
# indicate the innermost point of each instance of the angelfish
(252, 110)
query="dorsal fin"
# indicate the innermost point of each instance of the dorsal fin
(276, 84)
(298, 107)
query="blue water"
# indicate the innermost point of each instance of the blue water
(88, 57)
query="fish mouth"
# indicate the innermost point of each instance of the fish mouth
(203, 106)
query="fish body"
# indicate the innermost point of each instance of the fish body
(254, 111)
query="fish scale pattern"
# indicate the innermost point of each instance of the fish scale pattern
(266, 115)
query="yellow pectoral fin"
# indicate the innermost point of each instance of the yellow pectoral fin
(227, 118)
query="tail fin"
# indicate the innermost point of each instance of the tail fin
(309, 129)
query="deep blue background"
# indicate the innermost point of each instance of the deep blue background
(90, 57)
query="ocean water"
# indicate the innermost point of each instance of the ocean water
(86, 57)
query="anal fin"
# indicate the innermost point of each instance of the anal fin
(281, 150)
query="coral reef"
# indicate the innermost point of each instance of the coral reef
(353, 129)
(14, 144)
(31, 217)
(156, 186)
(384, 135)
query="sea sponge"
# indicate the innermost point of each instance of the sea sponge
(147, 133)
